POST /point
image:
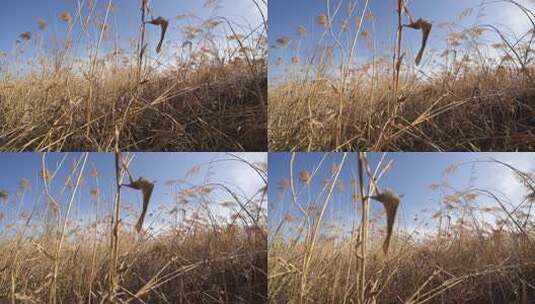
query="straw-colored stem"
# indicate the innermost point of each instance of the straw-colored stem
(115, 229)
(363, 229)
(398, 57)
(57, 257)
(141, 46)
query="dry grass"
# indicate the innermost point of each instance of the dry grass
(458, 269)
(199, 266)
(206, 93)
(453, 254)
(460, 98)
(186, 254)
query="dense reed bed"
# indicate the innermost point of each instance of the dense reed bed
(476, 93)
(209, 246)
(459, 251)
(87, 91)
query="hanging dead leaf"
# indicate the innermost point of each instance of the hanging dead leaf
(163, 23)
(390, 202)
(146, 188)
(425, 27)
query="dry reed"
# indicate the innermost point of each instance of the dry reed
(205, 92)
(455, 254)
(452, 99)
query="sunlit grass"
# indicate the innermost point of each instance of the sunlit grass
(205, 92)
(474, 245)
(206, 246)
(473, 95)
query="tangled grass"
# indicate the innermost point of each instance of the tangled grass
(476, 94)
(462, 250)
(197, 250)
(207, 92)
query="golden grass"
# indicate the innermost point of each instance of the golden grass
(476, 112)
(38, 114)
(462, 268)
(200, 266)
(452, 253)
(206, 93)
(186, 253)
(456, 99)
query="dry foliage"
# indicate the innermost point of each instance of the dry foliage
(473, 95)
(462, 250)
(187, 252)
(206, 93)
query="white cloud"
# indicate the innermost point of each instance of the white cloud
(507, 182)
(512, 17)
(243, 9)
(244, 176)
(503, 181)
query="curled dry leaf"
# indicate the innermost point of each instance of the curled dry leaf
(146, 187)
(425, 27)
(163, 23)
(390, 202)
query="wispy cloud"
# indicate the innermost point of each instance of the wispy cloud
(512, 17)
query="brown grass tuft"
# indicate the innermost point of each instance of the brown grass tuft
(462, 248)
(460, 98)
(198, 97)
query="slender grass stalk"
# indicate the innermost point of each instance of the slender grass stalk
(94, 58)
(312, 240)
(57, 255)
(141, 46)
(115, 227)
(398, 57)
(363, 230)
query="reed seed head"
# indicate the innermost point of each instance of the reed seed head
(301, 31)
(66, 17)
(283, 41)
(323, 20)
(26, 36)
(42, 24)
(305, 177)
(4, 196)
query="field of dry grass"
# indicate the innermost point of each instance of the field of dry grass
(189, 253)
(450, 255)
(205, 93)
(474, 95)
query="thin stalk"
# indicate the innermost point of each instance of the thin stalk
(53, 288)
(89, 109)
(316, 231)
(115, 228)
(363, 229)
(141, 46)
(397, 53)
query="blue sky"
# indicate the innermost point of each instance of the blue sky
(21, 16)
(286, 16)
(159, 167)
(411, 175)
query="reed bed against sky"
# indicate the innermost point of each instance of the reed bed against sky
(401, 228)
(402, 75)
(142, 75)
(68, 230)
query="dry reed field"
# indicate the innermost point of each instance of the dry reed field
(475, 93)
(69, 236)
(474, 246)
(83, 89)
